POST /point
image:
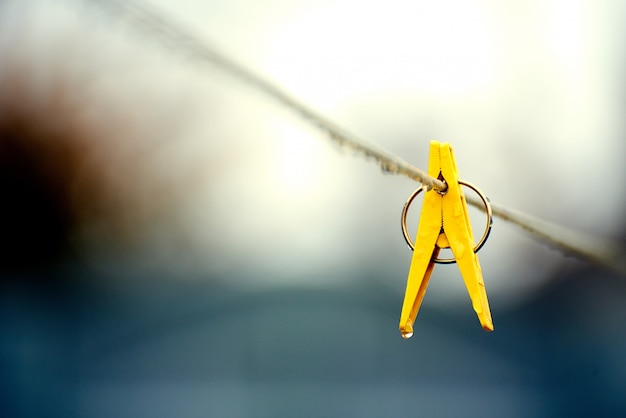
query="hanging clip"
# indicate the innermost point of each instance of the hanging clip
(444, 223)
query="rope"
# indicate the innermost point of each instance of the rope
(596, 250)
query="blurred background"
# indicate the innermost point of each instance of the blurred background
(175, 243)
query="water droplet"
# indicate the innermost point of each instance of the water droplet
(406, 335)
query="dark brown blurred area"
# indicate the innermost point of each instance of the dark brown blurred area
(40, 158)
(83, 140)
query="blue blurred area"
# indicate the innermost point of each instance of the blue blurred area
(73, 344)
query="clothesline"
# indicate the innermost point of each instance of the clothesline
(597, 250)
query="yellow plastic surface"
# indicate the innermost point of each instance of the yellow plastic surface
(444, 223)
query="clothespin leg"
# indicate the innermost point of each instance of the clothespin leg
(472, 274)
(476, 289)
(415, 290)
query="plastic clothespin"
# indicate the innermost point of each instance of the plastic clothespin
(444, 223)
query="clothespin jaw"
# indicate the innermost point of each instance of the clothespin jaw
(444, 222)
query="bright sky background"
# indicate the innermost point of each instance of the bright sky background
(529, 93)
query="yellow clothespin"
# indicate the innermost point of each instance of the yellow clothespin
(444, 223)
